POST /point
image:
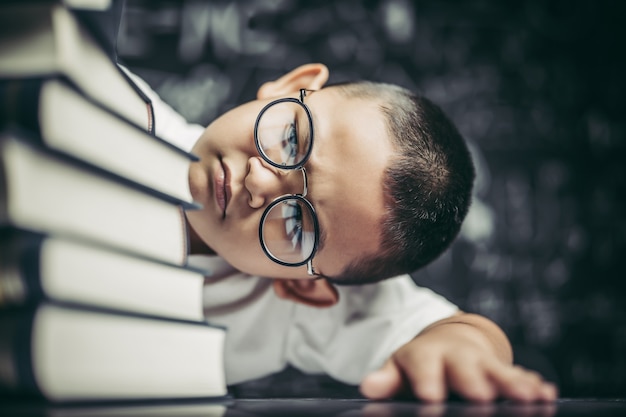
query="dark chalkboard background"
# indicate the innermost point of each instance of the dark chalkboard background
(536, 86)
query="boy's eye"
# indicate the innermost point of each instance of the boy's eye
(290, 142)
(288, 230)
(283, 133)
(292, 136)
(292, 213)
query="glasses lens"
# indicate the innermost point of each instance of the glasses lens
(284, 133)
(288, 231)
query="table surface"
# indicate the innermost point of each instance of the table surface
(303, 407)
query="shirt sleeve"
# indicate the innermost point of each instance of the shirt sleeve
(358, 335)
(170, 125)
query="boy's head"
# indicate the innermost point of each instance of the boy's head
(388, 175)
(427, 183)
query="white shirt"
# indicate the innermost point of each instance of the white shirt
(266, 333)
(345, 341)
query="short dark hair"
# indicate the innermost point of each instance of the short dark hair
(428, 184)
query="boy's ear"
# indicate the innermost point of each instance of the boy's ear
(309, 76)
(312, 292)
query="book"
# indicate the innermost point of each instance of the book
(65, 119)
(96, 303)
(80, 5)
(41, 38)
(46, 192)
(69, 354)
(36, 267)
(214, 407)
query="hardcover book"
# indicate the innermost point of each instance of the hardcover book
(64, 354)
(43, 38)
(45, 192)
(36, 267)
(63, 118)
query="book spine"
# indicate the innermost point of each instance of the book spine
(17, 376)
(20, 266)
(19, 103)
(4, 190)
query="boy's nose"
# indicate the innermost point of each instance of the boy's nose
(265, 182)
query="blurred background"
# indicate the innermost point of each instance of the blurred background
(537, 87)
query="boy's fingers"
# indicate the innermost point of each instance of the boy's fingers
(549, 392)
(471, 382)
(426, 377)
(518, 384)
(383, 383)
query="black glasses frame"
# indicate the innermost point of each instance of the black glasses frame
(299, 197)
(300, 102)
(316, 229)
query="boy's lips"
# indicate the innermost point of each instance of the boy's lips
(222, 187)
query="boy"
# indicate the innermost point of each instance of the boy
(309, 187)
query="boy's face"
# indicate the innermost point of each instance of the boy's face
(350, 152)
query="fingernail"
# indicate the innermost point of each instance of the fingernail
(549, 392)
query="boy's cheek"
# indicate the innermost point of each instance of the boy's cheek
(198, 185)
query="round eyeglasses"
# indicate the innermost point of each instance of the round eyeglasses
(289, 229)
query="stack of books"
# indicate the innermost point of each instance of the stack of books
(96, 301)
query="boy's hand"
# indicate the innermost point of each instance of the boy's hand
(465, 354)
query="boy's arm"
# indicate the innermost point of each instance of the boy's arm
(466, 354)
